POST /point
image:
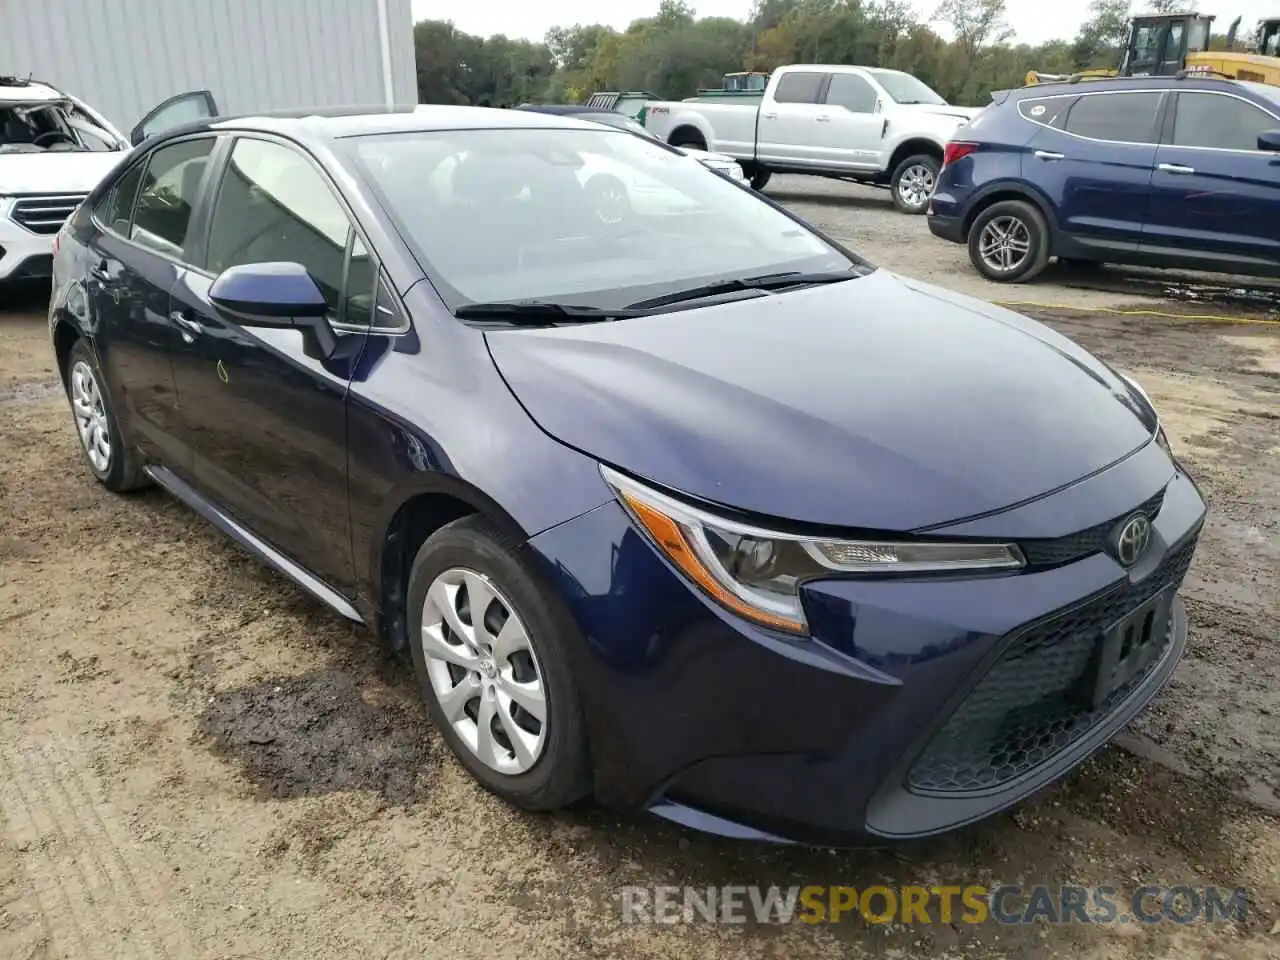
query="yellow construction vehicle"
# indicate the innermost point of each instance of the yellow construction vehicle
(1166, 44)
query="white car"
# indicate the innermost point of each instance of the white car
(54, 149)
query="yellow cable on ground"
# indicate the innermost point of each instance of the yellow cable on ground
(1137, 312)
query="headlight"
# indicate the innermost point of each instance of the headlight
(757, 573)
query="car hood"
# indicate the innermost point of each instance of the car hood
(56, 171)
(878, 403)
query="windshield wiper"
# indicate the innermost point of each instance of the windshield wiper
(767, 281)
(540, 313)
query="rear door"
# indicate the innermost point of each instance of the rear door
(1095, 162)
(1214, 194)
(787, 127)
(849, 129)
(137, 254)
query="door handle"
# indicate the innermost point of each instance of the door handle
(1049, 155)
(823, 119)
(771, 116)
(190, 329)
(1175, 168)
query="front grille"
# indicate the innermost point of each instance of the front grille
(45, 214)
(1053, 553)
(1027, 707)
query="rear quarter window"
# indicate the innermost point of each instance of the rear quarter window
(1047, 111)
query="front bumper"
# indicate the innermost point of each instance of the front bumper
(24, 255)
(919, 706)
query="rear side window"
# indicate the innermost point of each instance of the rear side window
(1119, 117)
(851, 92)
(1214, 120)
(170, 190)
(115, 211)
(798, 87)
(1049, 111)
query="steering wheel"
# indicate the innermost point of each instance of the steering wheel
(58, 135)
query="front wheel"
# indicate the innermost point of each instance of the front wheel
(913, 181)
(1009, 242)
(491, 646)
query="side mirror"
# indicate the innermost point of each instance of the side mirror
(279, 295)
(1269, 140)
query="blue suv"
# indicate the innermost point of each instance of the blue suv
(1151, 171)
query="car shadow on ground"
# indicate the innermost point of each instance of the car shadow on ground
(880, 200)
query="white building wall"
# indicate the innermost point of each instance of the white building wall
(125, 56)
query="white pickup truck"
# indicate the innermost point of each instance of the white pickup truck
(862, 124)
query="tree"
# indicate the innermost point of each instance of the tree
(1168, 6)
(975, 22)
(1099, 39)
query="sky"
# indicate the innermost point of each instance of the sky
(1034, 20)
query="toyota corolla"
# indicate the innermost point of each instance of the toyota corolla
(692, 509)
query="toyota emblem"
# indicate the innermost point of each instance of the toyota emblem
(1131, 542)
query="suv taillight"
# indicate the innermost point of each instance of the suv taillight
(956, 149)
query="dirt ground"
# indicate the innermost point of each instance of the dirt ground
(197, 760)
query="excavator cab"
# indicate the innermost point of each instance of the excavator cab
(1268, 37)
(1157, 45)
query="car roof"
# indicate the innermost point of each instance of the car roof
(15, 89)
(333, 123)
(1087, 84)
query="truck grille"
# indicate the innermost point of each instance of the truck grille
(47, 213)
(1026, 708)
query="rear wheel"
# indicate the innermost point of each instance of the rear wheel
(913, 181)
(113, 463)
(1009, 242)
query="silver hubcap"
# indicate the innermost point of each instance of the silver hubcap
(484, 671)
(91, 416)
(1004, 243)
(915, 186)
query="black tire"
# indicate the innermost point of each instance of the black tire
(123, 470)
(561, 774)
(758, 176)
(928, 163)
(1029, 219)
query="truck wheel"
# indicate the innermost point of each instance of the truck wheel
(1009, 242)
(913, 181)
(758, 175)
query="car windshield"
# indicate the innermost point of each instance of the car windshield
(47, 126)
(587, 217)
(904, 88)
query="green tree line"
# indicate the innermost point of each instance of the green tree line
(674, 53)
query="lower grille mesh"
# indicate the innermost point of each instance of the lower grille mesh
(1024, 709)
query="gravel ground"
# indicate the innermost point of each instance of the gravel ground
(197, 760)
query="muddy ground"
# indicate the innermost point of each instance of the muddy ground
(197, 760)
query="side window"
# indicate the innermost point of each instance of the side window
(851, 92)
(273, 205)
(1213, 120)
(115, 210)
(358, 301)
(1120, 117)
(170, 189)
(798, 87)
(1050, 111)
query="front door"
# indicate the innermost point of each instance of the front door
(1214, 194)
(138, 252)
(264, 413)
(188, 107)
(849, 131)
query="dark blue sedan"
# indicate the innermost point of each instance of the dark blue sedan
(671, 499)
(1149, 171)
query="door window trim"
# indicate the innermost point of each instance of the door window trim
(1166, 134)
(210, 199)
(195, 228)
(1157, 122)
